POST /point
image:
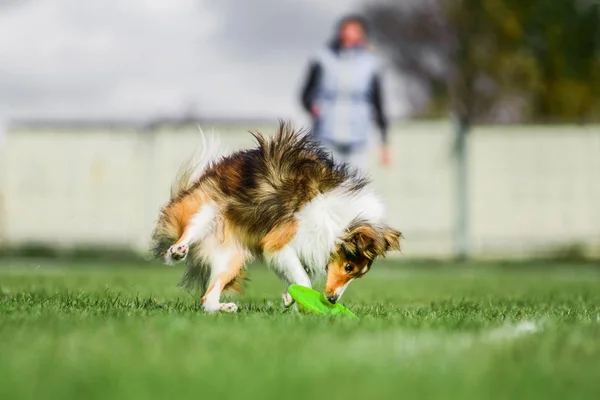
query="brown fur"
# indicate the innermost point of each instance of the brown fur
(173, 220)
(266, 186)
(279, 236)
(256, 189)
(258, 192)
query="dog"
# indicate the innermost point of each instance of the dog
(286, 201)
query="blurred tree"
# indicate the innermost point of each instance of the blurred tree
(496, 60)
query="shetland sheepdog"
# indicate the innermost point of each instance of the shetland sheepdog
(286, 201)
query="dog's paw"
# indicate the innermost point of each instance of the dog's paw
(178, 252)
(225, 307)
(288, 300)
(228, 307)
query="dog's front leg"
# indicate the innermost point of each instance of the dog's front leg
(282, 258)
(287, 266)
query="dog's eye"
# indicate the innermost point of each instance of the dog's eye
(349, 268)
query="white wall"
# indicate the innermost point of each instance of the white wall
(531, 187)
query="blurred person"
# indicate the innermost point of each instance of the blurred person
(342, 93)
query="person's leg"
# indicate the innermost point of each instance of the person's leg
(357, 157)
(360, 158)
(339, 154)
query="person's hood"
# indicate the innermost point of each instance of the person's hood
(334, 44)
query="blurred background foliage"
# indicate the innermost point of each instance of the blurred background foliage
(496, 61)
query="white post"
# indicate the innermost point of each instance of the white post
(461, 167)
(3, 151)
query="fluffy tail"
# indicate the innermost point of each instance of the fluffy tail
(211, 152)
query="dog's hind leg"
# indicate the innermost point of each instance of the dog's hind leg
(199, 226)
(226, 267)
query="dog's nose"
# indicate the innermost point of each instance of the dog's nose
(332, 299)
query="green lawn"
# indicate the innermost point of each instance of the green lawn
(486, 331)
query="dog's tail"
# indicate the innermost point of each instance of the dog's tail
(190, 171)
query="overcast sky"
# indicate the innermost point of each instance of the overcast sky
(139, 58)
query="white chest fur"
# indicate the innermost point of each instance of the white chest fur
(323, 221)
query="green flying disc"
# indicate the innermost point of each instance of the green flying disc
(316, 303)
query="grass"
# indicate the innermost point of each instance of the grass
(488, 331)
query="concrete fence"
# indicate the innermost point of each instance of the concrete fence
(531, 188)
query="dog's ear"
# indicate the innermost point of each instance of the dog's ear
(391, 237)
(366, 241)
(371, 241)
(376, 241)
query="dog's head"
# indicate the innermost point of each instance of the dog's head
(355, 253)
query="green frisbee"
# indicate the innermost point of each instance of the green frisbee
(316, 303)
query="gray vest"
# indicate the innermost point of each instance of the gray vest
(344, 97)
